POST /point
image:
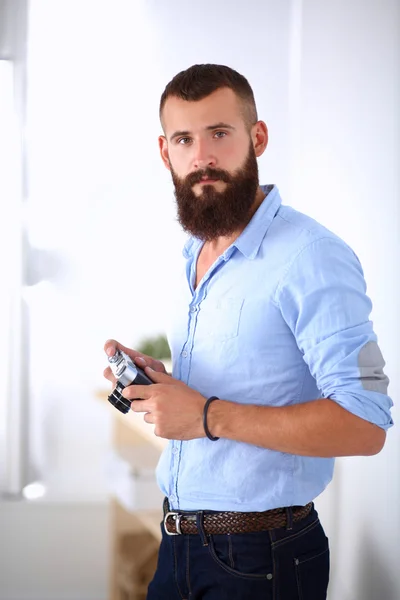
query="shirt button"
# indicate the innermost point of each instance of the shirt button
(174, 450)
(172, 498)
(184, 354)
(193, 309)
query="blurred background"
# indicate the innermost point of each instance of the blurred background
(89, 244)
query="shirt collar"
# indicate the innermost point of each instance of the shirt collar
(249, 241)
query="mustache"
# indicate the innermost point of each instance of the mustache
(197, 176)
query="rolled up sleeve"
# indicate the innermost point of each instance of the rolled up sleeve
(323, 300)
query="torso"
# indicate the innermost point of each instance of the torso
(206, 258)
(202, 266)
(208, 254)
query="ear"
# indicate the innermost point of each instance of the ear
(163, 145)
(259, 135)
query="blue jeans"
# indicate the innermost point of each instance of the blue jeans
(280, 564)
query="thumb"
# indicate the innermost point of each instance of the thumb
(157, 376)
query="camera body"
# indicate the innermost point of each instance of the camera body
(126, 373)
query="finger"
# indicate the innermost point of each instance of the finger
(141, 362)
(140, 359)
(140, 406)
(108, 374)
(148, 417)
(158, 376)
(144, 361)
(112, 345)
(137, 392)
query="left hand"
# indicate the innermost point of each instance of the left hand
(174, 408)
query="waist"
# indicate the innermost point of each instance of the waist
(238, 477)
(178, 522)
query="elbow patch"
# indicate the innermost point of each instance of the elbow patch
(370, 364)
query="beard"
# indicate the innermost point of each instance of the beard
(212, 214)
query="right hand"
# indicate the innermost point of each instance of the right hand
(140, 359)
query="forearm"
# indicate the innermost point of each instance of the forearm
(317, 428)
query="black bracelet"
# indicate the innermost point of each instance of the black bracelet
(208, 434)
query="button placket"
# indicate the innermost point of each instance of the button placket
(184, 376)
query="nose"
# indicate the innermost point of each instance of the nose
(203, 157)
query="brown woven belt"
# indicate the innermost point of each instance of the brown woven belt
(184, 522)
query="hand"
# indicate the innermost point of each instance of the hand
(141, 360)
(174, 408)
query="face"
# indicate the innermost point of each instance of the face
(212, 157)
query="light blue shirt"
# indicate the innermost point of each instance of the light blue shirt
(280, 318)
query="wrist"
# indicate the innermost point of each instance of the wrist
(206, 407)
(216, 418)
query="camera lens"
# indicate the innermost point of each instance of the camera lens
(116, 398)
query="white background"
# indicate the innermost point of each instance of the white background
(101, 212)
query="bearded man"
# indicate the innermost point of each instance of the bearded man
(276, 367)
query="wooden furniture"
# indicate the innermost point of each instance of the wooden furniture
(135, 534)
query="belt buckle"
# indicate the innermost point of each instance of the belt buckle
(177, 517)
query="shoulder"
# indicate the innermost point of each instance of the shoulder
(307, 236)
(304, 226)
(316, 259)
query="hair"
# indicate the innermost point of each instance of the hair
(199, 81)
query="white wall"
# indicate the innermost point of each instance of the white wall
(102, 220)
(109, 211)
(346, 174)
(54, 551)
(101, 207)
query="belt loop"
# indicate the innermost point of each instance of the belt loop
(165, 505)
(200, 527)
(289, 518)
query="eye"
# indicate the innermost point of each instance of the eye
(220, 134)
(183, 141)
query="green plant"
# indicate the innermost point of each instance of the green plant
(157, 347)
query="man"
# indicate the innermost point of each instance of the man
(276, 368)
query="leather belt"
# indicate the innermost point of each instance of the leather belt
(214, 523)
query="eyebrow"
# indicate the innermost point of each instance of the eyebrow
(208, 128)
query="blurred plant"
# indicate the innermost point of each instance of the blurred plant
(157, 347)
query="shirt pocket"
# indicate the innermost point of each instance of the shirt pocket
(223, 318)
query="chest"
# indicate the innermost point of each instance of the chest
(203, 264)
(206, 259)
(230, 298)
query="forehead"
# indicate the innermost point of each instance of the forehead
(222, 106)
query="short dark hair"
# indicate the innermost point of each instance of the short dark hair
(199, 81)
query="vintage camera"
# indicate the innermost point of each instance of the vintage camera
(126, 373)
